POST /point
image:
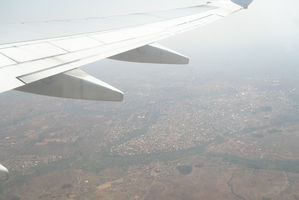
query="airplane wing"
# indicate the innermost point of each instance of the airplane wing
(44, 57)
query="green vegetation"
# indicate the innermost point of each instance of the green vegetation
(184, 169)
(279, 165)
(265, 109)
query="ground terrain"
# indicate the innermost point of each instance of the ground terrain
(204, 137)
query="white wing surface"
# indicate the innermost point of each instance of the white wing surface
(44, 57)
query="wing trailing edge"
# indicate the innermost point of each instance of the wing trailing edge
(75, 84)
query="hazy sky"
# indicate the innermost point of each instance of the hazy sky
(266, 35)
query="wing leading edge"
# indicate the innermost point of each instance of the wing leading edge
(48, 64)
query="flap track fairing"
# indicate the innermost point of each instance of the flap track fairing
(153, 53)
(75, 84)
